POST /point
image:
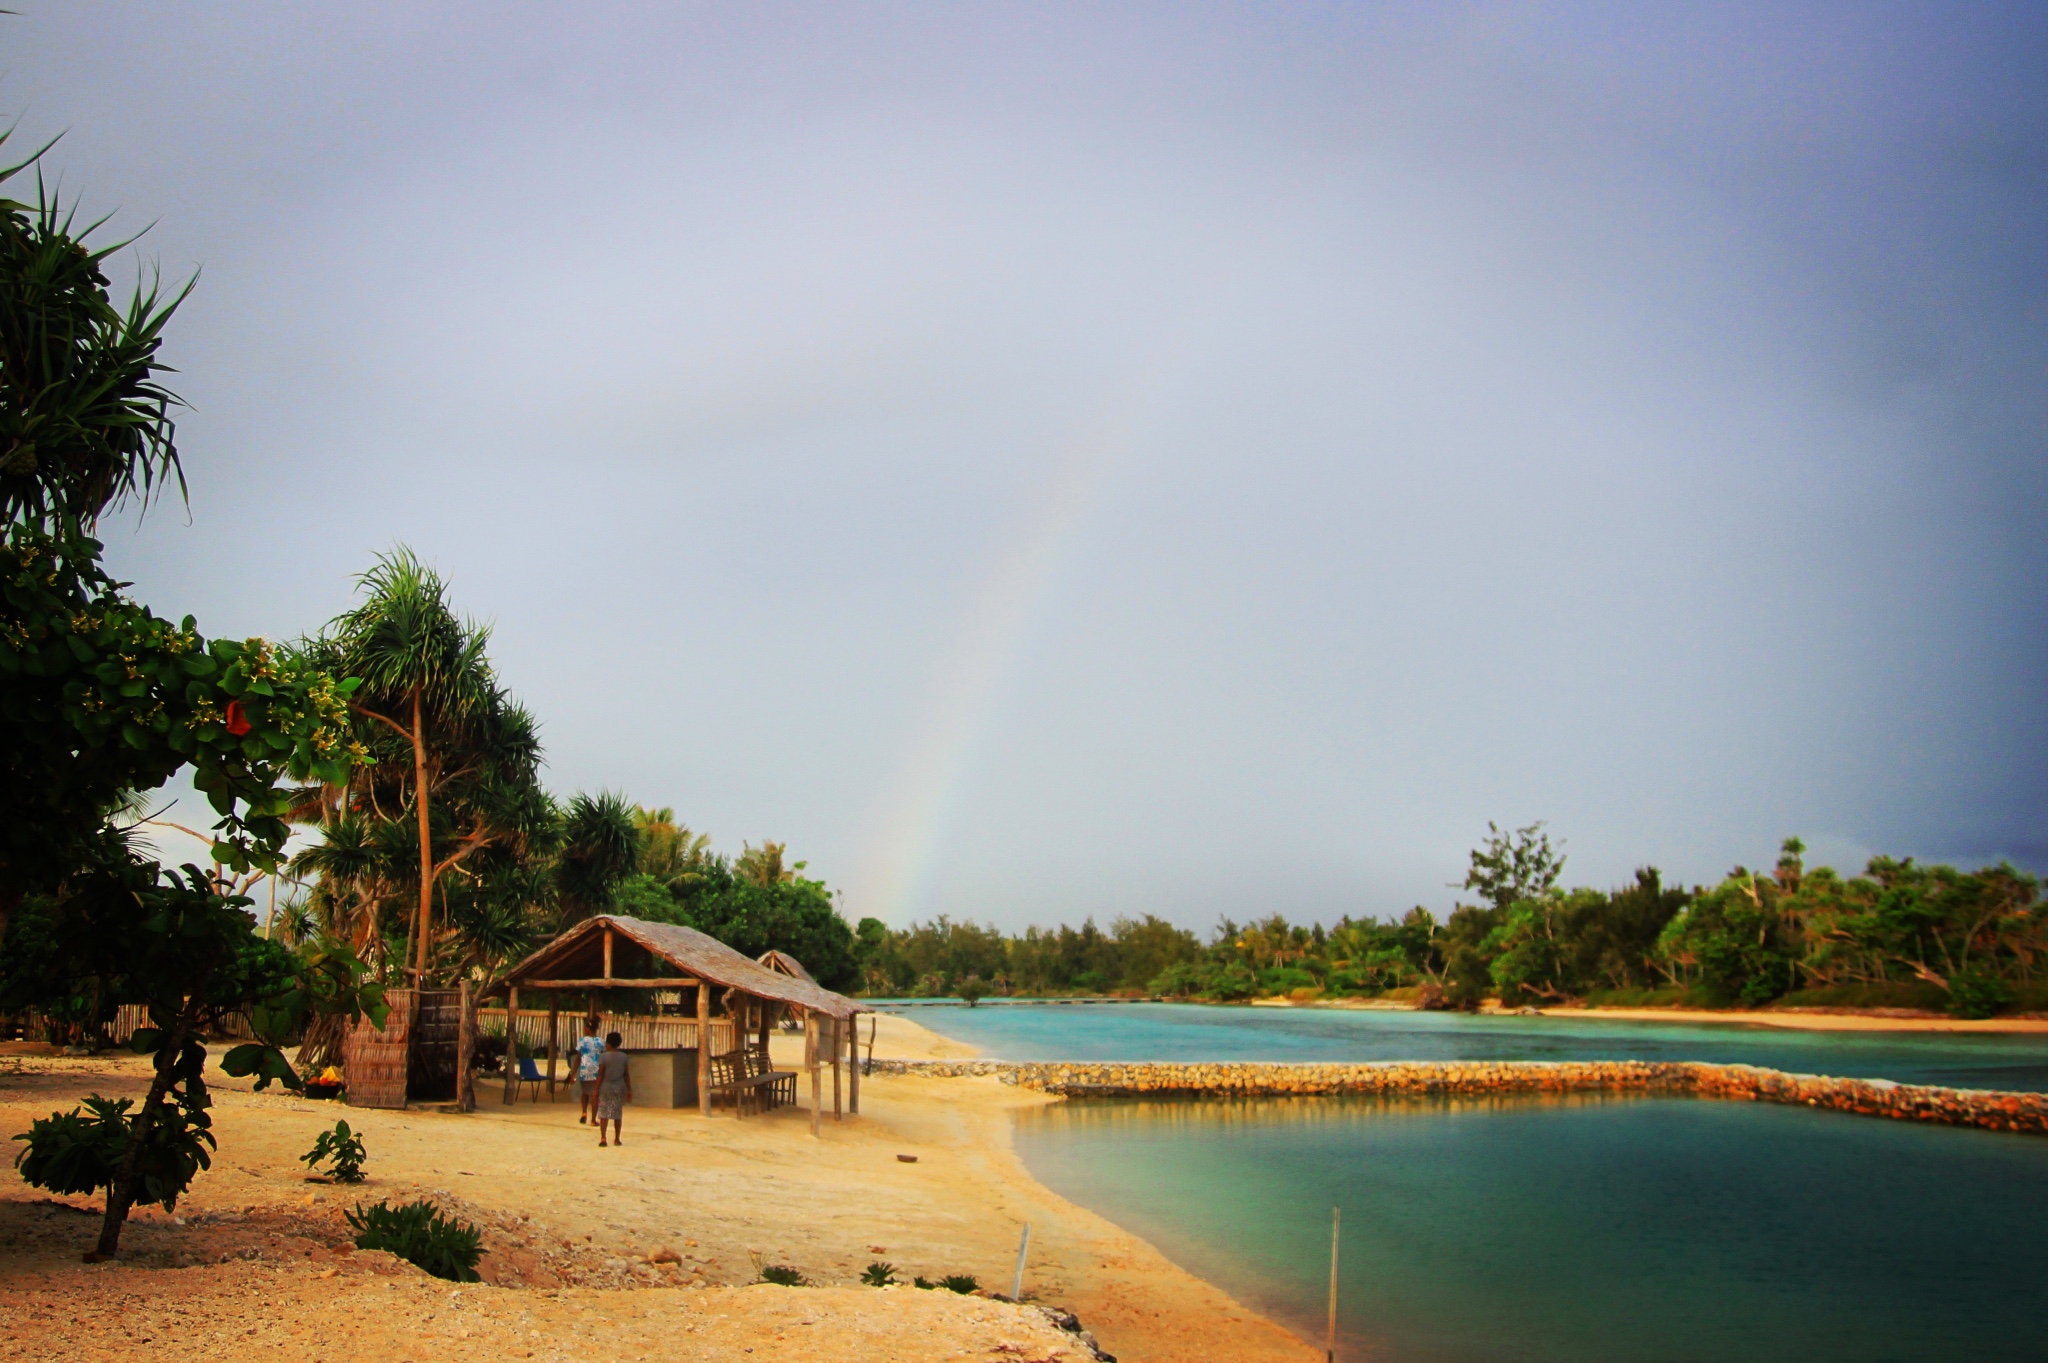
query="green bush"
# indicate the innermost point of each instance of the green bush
(342, 1146)
(879, 1274)
(73, 1153)
(1285, 979)
(70, 1153)
(782, 1275)
(963, 1283)
(419, 1234)
(1972, 994)
(1889, 994)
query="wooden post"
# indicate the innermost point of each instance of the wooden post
(554, 1035)
(811, 1064)
(853, 1065)
(465, 1048)
(511, 1043)
(607, 950)
(1330, 1342)
(703, 1047)
(1023, 1247)
(838, 1046)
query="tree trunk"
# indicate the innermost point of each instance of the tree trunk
(121, 1194)
(465, 1051)
(419, 797)
(10, 900)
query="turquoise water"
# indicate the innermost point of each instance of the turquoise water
(1598, 1228)
(1166, 1031)
(1603, 1228)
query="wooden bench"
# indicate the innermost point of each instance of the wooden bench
(745, 1074)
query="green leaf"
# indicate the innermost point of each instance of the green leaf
(145, 1039)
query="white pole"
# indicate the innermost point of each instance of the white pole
(1330, 1346)
(1023, 1247)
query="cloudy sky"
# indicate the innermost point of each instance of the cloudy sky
(1041, 461)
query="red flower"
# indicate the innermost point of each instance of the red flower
(238, 723)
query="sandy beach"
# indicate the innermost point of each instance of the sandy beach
(569, 1228)
(1818, 1021)
(1811, 1020)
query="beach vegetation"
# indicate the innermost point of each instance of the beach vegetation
(420, 1234)
(879, 1274)
(1900, 935)
(103, 702)
(782, 1275)
(341, 1149)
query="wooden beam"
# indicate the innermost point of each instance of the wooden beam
(554, 1043)
(607, 950)
(838, 1045)
(811, 1063)
(853, 1065)
(511, 1043)
(704, 1050)
(657, 982)
(465, 1046)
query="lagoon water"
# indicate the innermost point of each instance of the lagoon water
(1628, 1230)
(1170, 1031)
(1624, 1228)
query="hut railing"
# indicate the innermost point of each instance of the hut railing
(636, 1033)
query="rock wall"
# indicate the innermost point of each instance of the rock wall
(1996, 1111)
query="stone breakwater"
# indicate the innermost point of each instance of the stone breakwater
(1987, 1108)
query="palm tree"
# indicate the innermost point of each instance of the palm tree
(600, 848)
(669, 851)
(763, 865)
(425, 678)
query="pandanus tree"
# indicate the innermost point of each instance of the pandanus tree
(600, 848)
(424, 678)
(100, 699)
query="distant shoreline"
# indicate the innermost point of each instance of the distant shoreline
(1811, 1020)
(1800, 1019)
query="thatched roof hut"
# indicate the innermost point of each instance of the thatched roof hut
(612, 951)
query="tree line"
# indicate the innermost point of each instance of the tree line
(1901, 934)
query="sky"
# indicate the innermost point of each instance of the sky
(1051, 461)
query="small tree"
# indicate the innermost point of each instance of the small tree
(101, 699)
(1509, 867)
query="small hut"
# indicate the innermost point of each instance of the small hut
(782, 963)
(613, 952)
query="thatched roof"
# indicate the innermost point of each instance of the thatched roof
(579, 954)
(784, 963)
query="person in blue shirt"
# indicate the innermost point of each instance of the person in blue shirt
(588, 1052)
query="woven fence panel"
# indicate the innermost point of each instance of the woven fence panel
(376, 1061)
(635, 1033)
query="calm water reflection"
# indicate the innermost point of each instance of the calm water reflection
(1636, 1230)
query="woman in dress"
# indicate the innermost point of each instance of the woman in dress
(614, 1090)
(588, 1049)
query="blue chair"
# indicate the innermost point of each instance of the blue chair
(529, 1073)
